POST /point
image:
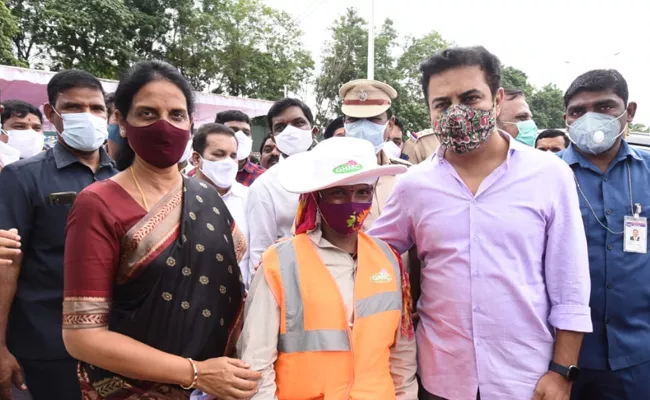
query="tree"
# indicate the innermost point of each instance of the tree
(411, 107)
(639, 128)
(345, 58)
(515, 79)
(8, 28)
(547, 105)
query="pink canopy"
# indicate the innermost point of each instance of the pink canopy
(31, 86)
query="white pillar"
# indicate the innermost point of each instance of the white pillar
(371, 42)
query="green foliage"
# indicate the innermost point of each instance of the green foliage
(345, 58)
(515, 79)
(234, 47)
(639, 128)
(8, 28)
(547, 105)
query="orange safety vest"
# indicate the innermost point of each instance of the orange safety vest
(319, 356)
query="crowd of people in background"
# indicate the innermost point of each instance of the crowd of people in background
(144, 257)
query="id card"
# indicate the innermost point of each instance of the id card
(636, 235)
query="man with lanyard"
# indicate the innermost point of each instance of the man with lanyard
(366, 106)
(39, 193)
(328, 313)
(215, 157)
(613, 185)
(271, 209)
(505, 276)
(241, 124)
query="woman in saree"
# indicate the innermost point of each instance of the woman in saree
(152, 283)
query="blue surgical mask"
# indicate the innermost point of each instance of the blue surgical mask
(114, 134)
(83, 131)
(364, 129)
(527, 132)
(595, 133)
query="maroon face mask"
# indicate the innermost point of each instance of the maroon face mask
(160, 144)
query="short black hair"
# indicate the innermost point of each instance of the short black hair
(267, 137)
(333, 126)
(232, 115)
(110, 104)
(130, 84)
(511, 94)
(200, 139)
(20, 109)
(551, 133)
(399, 125)
(71, 79)
(279, 106)
(596, 81)
(462, 57)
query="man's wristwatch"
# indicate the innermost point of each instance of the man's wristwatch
(572, 372)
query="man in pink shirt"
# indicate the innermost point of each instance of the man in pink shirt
(505, 277)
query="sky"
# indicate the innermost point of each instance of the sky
(552, 41)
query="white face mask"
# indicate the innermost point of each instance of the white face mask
(187, 153)
(27, 142)
(293, 140)
(244, 145)
(364, 129)
(392, 150)
(83, 131)
(8, 154)
(222, 173)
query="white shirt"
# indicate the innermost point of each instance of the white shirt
(8, 154)
(271, 211)
(236, 199)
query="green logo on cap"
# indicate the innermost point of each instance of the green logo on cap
(348, 167)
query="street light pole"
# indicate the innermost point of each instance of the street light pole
(371, 42)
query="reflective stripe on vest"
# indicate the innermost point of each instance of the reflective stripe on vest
(296, 339)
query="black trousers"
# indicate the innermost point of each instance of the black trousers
(52, 379)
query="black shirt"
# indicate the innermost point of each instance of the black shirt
(34, 328)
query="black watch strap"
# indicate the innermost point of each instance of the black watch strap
(571, 372)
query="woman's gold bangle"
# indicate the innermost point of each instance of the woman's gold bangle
(196, 376)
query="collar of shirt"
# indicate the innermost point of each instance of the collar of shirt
(63, 157)
(513, 145)
(236, 190)
(572, 156)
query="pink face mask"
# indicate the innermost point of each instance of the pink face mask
(344, 218)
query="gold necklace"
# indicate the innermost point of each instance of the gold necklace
(137, 184)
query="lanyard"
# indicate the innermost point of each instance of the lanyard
(634, 211)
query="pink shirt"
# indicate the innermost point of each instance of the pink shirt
(501, 270)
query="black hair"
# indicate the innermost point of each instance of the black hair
(110, 104)
(200, 139)
(333, 126)
(399, 125)
(71, 79)
(551, 133)
(20, 109)
(279, 106)
(596, 81)
(130, 84)
(462, 57)
(232, 115)
(511, 94)
(267, 137)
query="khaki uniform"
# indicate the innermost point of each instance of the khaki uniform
(424, 147)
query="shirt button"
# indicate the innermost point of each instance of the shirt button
(473, 201)
(609, 247)
(609, 212)
(475, 273)
(605, 179)
(477, 309)
(607, 320)
(609, 286)
(475, 238)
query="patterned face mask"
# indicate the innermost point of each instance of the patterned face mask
(463, 128)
